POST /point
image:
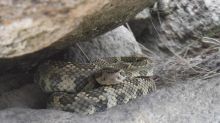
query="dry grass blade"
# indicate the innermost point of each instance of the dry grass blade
(211, 41)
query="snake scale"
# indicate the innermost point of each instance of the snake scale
(86, 88)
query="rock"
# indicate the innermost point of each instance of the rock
(143, 14)
(192, 101)
(118, 42)
(167, 33)
(34, 30)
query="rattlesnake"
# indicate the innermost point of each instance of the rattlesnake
(87, 88)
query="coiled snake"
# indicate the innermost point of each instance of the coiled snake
(87, 88)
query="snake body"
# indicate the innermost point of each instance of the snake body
(87, 88)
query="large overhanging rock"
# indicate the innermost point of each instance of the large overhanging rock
(28, 26)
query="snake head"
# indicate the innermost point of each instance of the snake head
(111, 76)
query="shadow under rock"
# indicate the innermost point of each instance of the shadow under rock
(18, 90)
